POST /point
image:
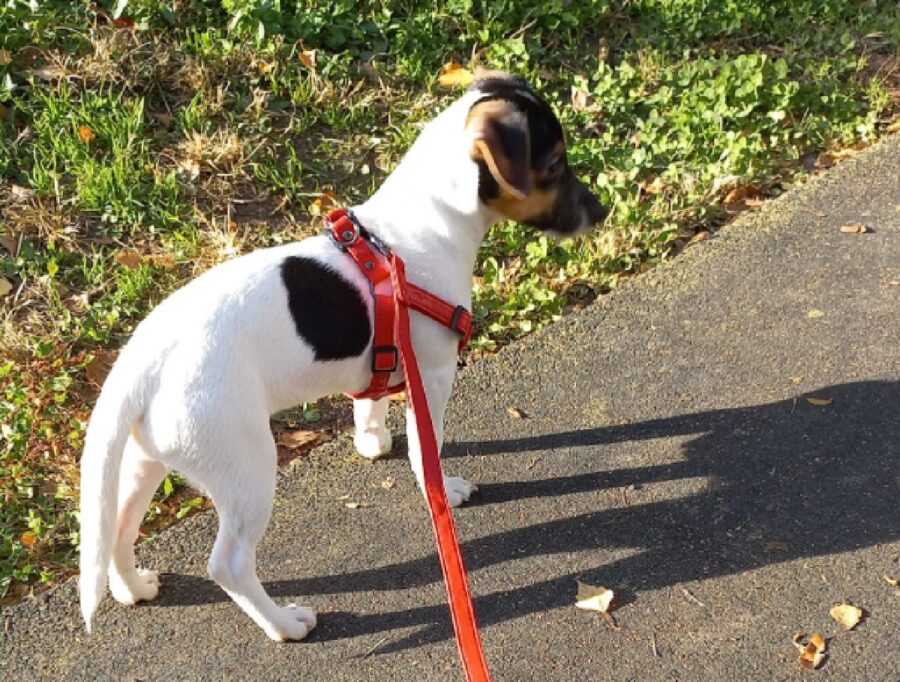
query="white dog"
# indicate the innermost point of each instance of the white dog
(194, 388)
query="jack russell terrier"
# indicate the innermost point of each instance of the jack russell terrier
(195, 386)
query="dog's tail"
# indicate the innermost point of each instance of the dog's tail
(119, 406)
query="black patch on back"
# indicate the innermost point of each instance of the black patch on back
(329, 312)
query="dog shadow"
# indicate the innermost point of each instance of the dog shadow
(784, 480)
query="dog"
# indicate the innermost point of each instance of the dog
(195, 386)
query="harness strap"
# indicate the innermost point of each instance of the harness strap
(393, 297)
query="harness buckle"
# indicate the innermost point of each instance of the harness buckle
(382, 355)
(457, 316)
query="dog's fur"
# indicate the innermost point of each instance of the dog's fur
(194, 388)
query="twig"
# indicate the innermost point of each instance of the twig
(376, 645)
(693, 598)
(653, 645)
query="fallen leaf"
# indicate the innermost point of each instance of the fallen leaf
(581, 101)
(98, 368)
(815, 314)
(5, 287)
(516, 413)
(129, 259)
(85, 134)
(28, 539)
(124, 22)
(819, 402)
(591, 598)
(796, 380)
(389, 483)
(776, 546)
(5, 57)
(50, 73)
(826, 160)
(341, 498)
(893, 582)
(308, 58)
(161, 118)
(846, 615)
(700, 236)
(322, 203)
(812, 653)
(356, 505)
(654, 186)
(10, 242)
(854, 228)
(19, 192)
(740, 195)
(454, 75)
(298, 438)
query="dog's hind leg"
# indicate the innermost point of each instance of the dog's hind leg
(372, 438)
(140, 476)
(242, 492)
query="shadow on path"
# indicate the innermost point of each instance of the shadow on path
(814, 480)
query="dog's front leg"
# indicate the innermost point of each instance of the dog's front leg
(438, 384)
(372, 439)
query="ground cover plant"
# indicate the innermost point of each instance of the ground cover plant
(143, 141)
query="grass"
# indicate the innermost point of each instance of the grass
(142, 142)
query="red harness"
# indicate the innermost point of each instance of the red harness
(393, 297)
(379, 264)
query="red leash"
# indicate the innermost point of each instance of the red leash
(387, 278)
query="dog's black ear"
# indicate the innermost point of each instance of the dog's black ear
(501, 139)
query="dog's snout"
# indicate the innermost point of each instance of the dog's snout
(595, 211)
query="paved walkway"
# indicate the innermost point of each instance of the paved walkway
(669, 452)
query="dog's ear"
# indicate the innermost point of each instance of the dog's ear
(501, 139)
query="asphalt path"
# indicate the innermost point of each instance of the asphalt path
(667, 451)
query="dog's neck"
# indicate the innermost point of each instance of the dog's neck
(428, 208)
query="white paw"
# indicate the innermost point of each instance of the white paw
(142, 585)
(372, 445)
(458, 490)
(293, 623)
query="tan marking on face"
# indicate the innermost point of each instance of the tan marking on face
(538, 203)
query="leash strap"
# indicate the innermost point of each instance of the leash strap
(393, 297)
(461, 610)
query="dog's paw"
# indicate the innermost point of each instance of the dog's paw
(458, 490)
(142, 585)
(293, 623)
(373, 445)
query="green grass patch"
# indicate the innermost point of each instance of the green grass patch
(141, 142)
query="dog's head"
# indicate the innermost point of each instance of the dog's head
(524, 174)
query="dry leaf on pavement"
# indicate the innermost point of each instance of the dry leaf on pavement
(854, 228)
(454, 75)
(515, 413)
(591, 598)
(846, 615)
(819, 402)
(299, 438)
(893, 582)
(389, 483)
(356, 505)
(812, 653)
(599, 599)
(815, 314)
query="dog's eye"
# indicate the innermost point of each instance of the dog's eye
(555, 167)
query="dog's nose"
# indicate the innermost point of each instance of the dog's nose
(594, 210)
